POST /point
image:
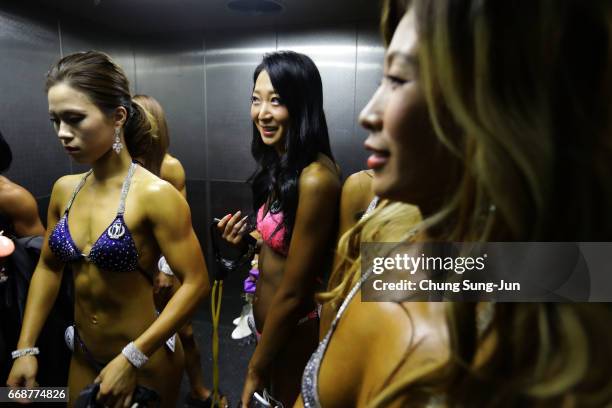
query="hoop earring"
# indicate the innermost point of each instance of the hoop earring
(117, 146)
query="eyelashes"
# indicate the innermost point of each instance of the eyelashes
(71, 120)
(276, 101)
(394, 81)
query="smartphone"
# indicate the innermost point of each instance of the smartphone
(248, 239)
(216, 219)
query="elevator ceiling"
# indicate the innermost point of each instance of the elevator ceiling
(154, 16)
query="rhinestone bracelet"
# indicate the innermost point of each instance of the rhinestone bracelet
(30, 351)
(134, 356)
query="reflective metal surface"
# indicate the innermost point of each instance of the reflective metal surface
(79, 36)
(370, 53)
(163, 16)
(172, 71)
(231, 58)
(29, 45)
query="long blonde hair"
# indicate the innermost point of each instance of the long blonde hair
(533, 105)
(532, 100)
(154, 156)
(389, 222)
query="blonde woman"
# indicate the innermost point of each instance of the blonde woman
(484, 105)
(169, 168)
(357, 201)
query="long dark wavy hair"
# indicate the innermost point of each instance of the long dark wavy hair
(296, 79)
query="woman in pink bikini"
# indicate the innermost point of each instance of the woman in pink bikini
(296, 189)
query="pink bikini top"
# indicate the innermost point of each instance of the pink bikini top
(267, 226)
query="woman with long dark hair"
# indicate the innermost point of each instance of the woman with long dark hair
(110, 224)
(493, 118)
(296, 188)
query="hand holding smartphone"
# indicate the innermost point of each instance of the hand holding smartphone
(234, 229)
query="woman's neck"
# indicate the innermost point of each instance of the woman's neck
(430, 207)
(111, 165)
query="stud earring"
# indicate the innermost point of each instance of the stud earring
(117, 146)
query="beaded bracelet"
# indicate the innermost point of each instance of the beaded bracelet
(30, 351)
(134, 356)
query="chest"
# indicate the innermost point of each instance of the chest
(344, 359)
(96, 213)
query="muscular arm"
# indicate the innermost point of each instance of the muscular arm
(20, 206)
(47, 277)
(173, 172)
(314, 226)
(170, 218)
(356, 195)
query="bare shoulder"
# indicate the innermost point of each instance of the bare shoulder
(357, 182)
(68, 182)
(318, 178)
(156, 194)
(358, 189)
(410, 342)
(171, 163)
(171, 167)
(151, 186)
(408, 322)
(14, 196)
(11, 190)
(392, 323)
(64, 187)
(411, 318)
(172, 171)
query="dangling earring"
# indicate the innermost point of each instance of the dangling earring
(117, 146)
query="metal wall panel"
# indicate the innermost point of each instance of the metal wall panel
(231, 58)
(29, 45)
(228, 197)
(334, 53)
(197, 197)
(86, 36)
(171, 69)
(370, 54)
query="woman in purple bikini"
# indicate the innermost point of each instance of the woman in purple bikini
(110, 224)
(296, 189)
